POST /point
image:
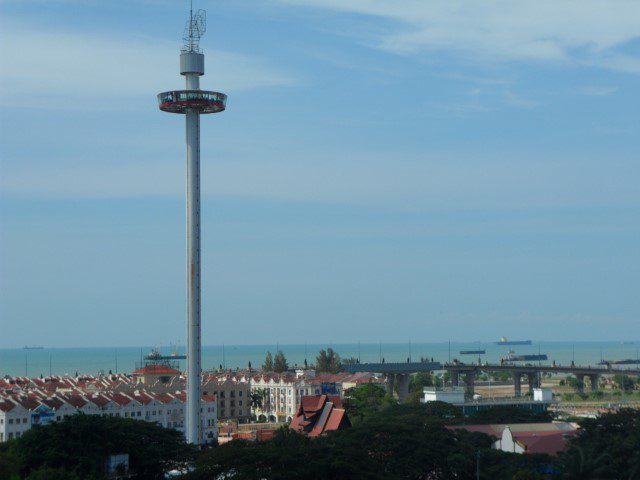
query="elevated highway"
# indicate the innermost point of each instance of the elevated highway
(471, 371)
(397, 374)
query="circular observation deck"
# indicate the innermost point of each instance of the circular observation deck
(180, 101)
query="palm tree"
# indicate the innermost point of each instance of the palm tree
(256, 398)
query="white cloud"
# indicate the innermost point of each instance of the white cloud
(576, 31)
(48, 68)
(426, 182)
(597, 90)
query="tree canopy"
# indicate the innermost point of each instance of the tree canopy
(280, 362)
(78, 446)
(328, 361)
(268, 363)
(366, 401)
(606, 447)
(398, 442)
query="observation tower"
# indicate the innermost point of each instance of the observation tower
(192, 102)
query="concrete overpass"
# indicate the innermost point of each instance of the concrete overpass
(397, 374)
(471, 371)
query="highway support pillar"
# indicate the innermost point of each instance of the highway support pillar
(582, 382)
(594, 380)
(532, 379)
(402, 384)
(455, 378)
(469, 384)
(517, 385)
(391, 380)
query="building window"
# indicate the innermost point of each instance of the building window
(240, 393)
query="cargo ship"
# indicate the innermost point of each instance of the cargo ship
(472, 352)
(505, 341)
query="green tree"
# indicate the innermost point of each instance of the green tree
(366, 401)
(280, 362)
(399, 442)
(256, 398)
(268, 363)
(328, 361)
(79, 445)
(350, 361)
(498, 415)
(624, 382)
(609, 443)
(575, 383)
(417, 383)
(48, 473)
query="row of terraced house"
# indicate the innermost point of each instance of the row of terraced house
(25, 402)
(159, 396)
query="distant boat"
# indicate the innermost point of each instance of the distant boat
(525, 358)
(33, 347)
(472, 352)
(628, 361)
(505, 341)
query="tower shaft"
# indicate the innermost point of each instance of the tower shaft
(193, 417)
(193, 102)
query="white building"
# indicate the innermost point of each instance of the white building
(281, 393)
(20, 411)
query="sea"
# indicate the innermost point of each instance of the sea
(60, 361)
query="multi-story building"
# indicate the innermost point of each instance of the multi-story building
(281, 393)
(233, 393)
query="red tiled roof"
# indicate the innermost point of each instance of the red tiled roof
(550, 443)
(74, 400)
(142, 397)
(52, 402)
(312, 404)
(546, 438)
(156, 370)
(6, 405)
(317, 415)
(335, 419)
(120, 399)
(98, 399)
(28, 402)
(164, 397)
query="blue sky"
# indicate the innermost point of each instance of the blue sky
(385, 171)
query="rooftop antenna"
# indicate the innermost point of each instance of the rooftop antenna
(194, 30)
